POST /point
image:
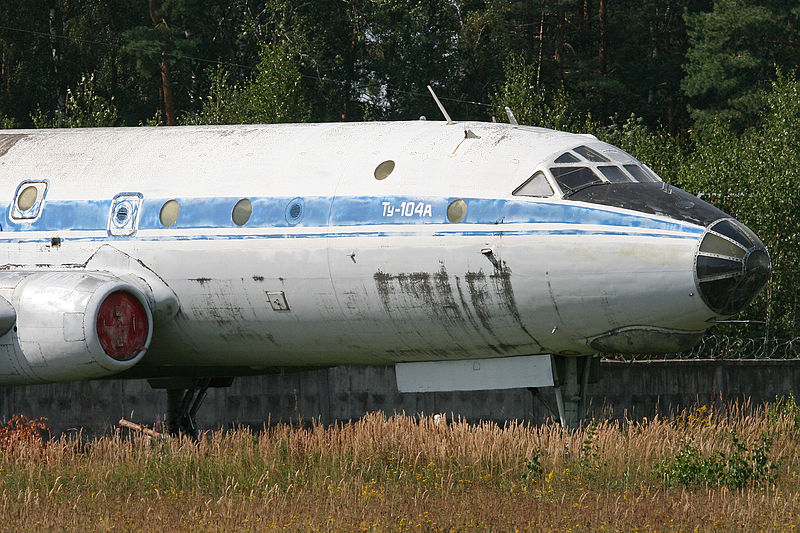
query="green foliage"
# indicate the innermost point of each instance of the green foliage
(786, 409)
(8, 123)
(84, 109)
(735, 469)
(274, 94)
(662, 152)
(535, 105)
(533, 469)
(733, 54)
(591, 464)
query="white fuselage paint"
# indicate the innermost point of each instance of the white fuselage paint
(373, 272)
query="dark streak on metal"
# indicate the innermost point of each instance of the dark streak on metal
(503, 286)
(405, 295)
(476, 283)
(445, 292)
(201, 281)
(436, 297)
(433, 294)
(553, 298)
(439, 353)
(8, 141)
(383, 282)
(470, 316)
(258, 278)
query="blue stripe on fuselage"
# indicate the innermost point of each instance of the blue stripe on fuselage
(215, 213)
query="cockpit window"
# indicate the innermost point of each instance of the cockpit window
(567, 157)
(573, 178)
(614, 174)
(582, 166)
(536, 185)
(649, 172)
(591, 155)
(639, 174)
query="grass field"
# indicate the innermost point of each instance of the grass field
(695, 471)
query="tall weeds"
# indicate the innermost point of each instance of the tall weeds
(405, 472)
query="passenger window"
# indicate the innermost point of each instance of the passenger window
(572, 178)
(241, 212)
(567, 157)
(383, 170)
(639, 174)
(169, 213)
(28, 200)
(591, 155)
(536, 185)
(614, 174)
(456, 211)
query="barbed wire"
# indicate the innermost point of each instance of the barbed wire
(728, 347)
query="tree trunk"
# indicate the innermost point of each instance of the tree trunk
(585, 15)
(350, 64)
(602, 60)
(166, 83)
(558, 41)
(55, 45)
(4, 68)
(541, 47)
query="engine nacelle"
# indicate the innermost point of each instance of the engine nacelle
(73, 326)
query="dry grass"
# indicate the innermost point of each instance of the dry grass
(407, 473)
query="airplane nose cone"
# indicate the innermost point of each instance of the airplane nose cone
(731, 266)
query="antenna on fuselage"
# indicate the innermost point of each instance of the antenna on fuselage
(511, 118)
(441, 107)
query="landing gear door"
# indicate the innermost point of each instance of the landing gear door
(123, 220)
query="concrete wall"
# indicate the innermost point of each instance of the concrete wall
(633, 390)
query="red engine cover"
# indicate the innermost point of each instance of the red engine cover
(122, 325)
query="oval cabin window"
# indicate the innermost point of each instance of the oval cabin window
(457, 211)
(241, 212)
(169, 213)
(383, 170)
(27, 198)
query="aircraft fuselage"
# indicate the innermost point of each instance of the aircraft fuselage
(252, 248)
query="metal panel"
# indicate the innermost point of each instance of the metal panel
(277, 300)
(476, 374)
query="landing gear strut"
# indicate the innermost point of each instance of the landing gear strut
(184, 397)
(572, 376)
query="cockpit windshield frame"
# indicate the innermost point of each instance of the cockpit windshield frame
(589, 164)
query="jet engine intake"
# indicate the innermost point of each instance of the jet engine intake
(74, 326)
